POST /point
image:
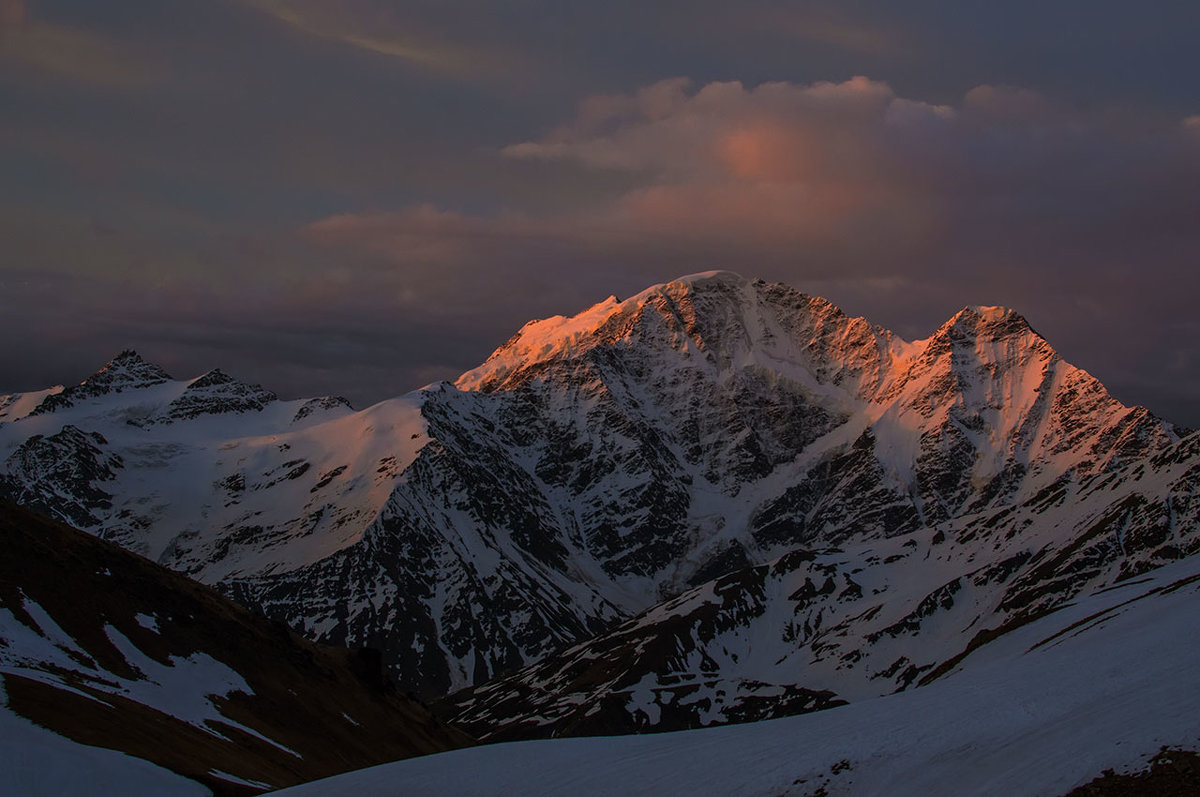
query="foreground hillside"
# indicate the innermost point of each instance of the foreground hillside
(1104, 683)
(100, 648)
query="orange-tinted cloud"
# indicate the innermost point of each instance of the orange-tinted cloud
(795, 165)
(731, 177)
(766, 151)
(773, 131)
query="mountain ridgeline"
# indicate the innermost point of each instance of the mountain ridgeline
(718, 500)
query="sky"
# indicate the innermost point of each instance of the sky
(364, 196)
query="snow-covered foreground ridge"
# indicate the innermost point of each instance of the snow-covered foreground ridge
(1102, 683)
(852, 507)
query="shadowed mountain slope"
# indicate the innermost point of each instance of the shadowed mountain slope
(108, 649)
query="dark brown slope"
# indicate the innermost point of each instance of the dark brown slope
(329, 705)
(1171, 773)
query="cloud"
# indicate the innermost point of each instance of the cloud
(70, 53)
(827, 162)
(829, 26)
(374, 28)
(775, 132)
(779, 167)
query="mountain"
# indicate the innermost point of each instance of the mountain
(1108, 683)
(679, 463)
(103, 649)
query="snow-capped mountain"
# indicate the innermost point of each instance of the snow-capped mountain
(121, 663)
(710, 442)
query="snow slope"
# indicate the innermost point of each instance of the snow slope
(1102, 683)
(38, 763)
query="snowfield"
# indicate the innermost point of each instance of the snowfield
(39, 763)
(1105, 682)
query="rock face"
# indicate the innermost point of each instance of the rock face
(698, 434)
(136, 658)
(62, 475)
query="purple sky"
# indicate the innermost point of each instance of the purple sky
(364, 196)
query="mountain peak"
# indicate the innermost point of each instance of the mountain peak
(211, 379)
(703, 281)
(217, 393)
(125, 355)
(129, 364)
(717, 313)
(991, 322)
(718, 276)
(126, 371)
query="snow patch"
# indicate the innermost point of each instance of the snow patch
(147, 621)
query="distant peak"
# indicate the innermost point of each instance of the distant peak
(126, 371)
(216, 393)
(127, 356)
(129, 360)
(211, 379)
